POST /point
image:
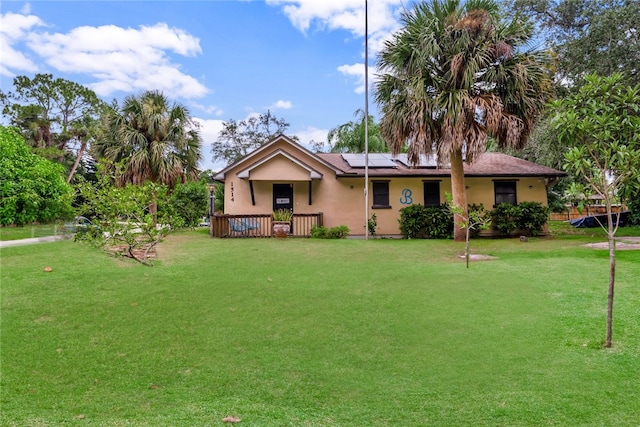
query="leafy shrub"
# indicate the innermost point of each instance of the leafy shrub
(339, 232)
(528, 217)
(32, 188)
(634, 209)
(372, 224)
(322, 232)
(413, 221)
(505, 218)
(532, 216)
(430, 222)
(439, 222)
(319, 231)
(190, 201)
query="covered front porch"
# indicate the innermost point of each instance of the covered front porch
(260, 225)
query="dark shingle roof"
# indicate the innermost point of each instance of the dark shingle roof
(487, 164)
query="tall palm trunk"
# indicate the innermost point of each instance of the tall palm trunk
(459, 194)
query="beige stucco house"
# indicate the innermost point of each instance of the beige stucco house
(328, 188)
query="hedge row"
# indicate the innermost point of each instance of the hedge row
(436, 222)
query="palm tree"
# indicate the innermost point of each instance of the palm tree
(152, 140)
(454, 75)
(349, 137)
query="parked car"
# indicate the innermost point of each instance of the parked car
(80, 224)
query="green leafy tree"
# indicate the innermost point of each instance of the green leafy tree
(127, 226)
(56, 116)
(32, 188)
(149, 139)
(237, 139)
(601, 126)
(349, 137)
(589, 36)
(586, 36)
(454, 75)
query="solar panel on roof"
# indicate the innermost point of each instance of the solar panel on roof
(376, 160)
(354, 160)
(425, 161)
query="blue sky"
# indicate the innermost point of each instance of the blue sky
(302, 59)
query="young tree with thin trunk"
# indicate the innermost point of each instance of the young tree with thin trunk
(601, 126)
(454, 75)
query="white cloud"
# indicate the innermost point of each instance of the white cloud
(123, 59)
(310, 135)
(280, 105)
(119, 59)
(382, 17)
(340, 14)
(213, 110)
(13, 29)
(356, 71)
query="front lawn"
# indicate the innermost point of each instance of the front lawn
(29, 231)
(306, 332)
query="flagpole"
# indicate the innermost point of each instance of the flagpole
(366, 121)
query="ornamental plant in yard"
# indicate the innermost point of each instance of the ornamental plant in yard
(127, 225)
(601, 126)
(475, 219)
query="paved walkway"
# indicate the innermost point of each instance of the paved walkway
(622, 243)
(21, 242)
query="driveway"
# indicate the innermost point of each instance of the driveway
(33, 241)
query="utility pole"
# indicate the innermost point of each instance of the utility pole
(366, 121)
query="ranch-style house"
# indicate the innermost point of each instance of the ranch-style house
(328, 188)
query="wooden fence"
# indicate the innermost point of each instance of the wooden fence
(260, 225)
(588, 210)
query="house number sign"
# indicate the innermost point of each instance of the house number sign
(232, 195)
(282, 200)
(406, 198)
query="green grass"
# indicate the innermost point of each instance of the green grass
(28, 231)
(319, 333)
(563, 228)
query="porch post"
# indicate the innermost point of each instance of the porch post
(253, 197)
(212, 200)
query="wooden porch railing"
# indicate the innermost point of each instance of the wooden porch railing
(260, 225)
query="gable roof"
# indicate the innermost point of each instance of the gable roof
(486, 165)
(245, 173)
(253, 159)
